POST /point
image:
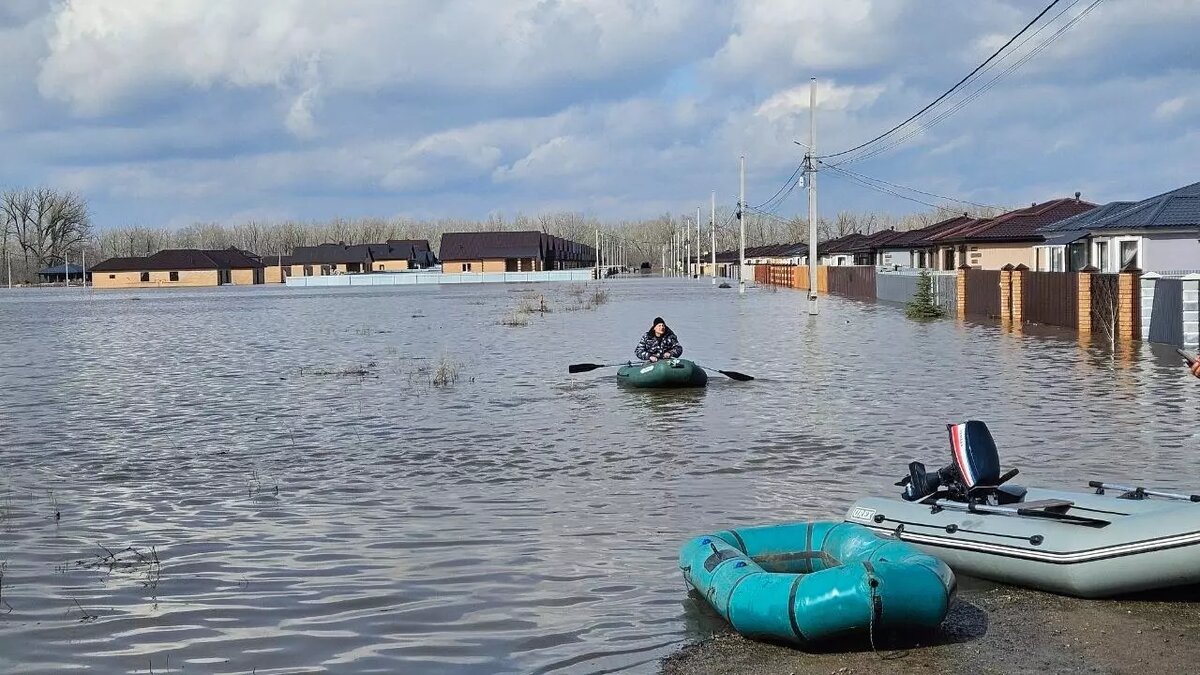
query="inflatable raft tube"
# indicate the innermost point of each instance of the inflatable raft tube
(667, 374)
(806, 582)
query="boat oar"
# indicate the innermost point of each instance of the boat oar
(588, 367)
(731, 374)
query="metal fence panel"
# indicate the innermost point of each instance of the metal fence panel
(1051, 298)
(856, 281)
(1166, 318)
(893, 287)
(983, 293)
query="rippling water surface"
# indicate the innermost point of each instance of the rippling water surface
(520, 520)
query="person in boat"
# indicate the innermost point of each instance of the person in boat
(658, 343)
(1196, 368)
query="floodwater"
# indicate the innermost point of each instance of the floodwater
(286, 519)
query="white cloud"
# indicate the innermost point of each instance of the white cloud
(1170, 108)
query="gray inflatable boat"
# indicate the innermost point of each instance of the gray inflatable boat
(1117, 539)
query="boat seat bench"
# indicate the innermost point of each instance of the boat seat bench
(1048, 505)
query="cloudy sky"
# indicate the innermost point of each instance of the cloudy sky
(163, 112)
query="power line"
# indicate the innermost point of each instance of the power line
(986, 87)
(885, 190)
(791, 181)
(951, 89)
(838, 167)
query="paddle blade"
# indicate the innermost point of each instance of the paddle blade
(735, 375)
(583, 367)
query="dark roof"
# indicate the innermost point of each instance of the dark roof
(59, 269)
(331, 254)
(1080, 221)
(843, 244)
(871, 242)
(414, 250)
(275, 260)
(1020, 225)
(491, 245)
(919, 238)
(181, 259)
(1178, 208)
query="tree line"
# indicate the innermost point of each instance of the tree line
(42, 227)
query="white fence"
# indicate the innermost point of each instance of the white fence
(425, 278)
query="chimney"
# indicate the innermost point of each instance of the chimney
(1077, 195)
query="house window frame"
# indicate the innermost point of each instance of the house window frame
(1125, 239)
(173, 275)
(143, 277)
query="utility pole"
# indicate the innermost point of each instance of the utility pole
(698, 240)
(663, 266)
(83, 272)
(596, 262)
(811, 184)
(9, 259)
(713, 222)
(741, 211)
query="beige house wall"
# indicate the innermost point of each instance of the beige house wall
(995, 256)
(390, 265)
(456, 266)
(187, 278)
(273, 274)
(242, 277)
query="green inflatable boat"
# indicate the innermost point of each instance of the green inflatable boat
(667, 374)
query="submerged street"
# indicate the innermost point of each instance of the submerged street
(300, 488)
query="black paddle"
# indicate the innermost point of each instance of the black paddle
(731, 374)
(1190, 358)
(588, 367)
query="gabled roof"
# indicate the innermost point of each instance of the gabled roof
(875, 240)
(491, 245)
(1020, 225)
(181, 259)
(416, 250)
(919, 238)
(843, 244)
(331, 254)
(1178, 208)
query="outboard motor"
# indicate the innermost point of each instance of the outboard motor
(976, 462)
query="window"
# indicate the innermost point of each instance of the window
(287, 271)
(325, 270)
(308, 270)
(112, 276)
(1078, 256)
(1129, 254)
(1102, 260)
(466, 267)
(144, 277)
(174, 276)
(1056, 259)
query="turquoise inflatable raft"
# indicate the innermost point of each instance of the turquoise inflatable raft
(805, 582)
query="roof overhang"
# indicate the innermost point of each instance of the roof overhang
(1063, 238)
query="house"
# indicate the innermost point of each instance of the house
(839, 251)
(179, 268)
(326, 259)
(399, 255)
(1007, 239)
(866, 249)
(777, 254)
(60, 274)
(276, 268)
(520, 251)
(1158, 234)
(914, 248)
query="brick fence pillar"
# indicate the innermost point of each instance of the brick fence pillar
(1129, 303)
(961, 291)
(1006, 293)
(1084, 297)
(1018, 294)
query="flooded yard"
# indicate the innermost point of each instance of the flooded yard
(343, 480)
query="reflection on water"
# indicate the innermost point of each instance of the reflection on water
(522, 520)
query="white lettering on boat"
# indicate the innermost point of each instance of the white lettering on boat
(863, 514)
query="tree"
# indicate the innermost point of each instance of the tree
(923, 306)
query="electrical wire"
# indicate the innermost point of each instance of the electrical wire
(838, 167)
(983, 89)
(949, 91)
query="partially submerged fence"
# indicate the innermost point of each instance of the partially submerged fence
(1119, 307)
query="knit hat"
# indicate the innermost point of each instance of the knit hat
(658, 320)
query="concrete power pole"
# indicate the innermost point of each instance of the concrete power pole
(811, 183)
(741, 211)
(713, 222)
(597, 260)
(698, 240)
